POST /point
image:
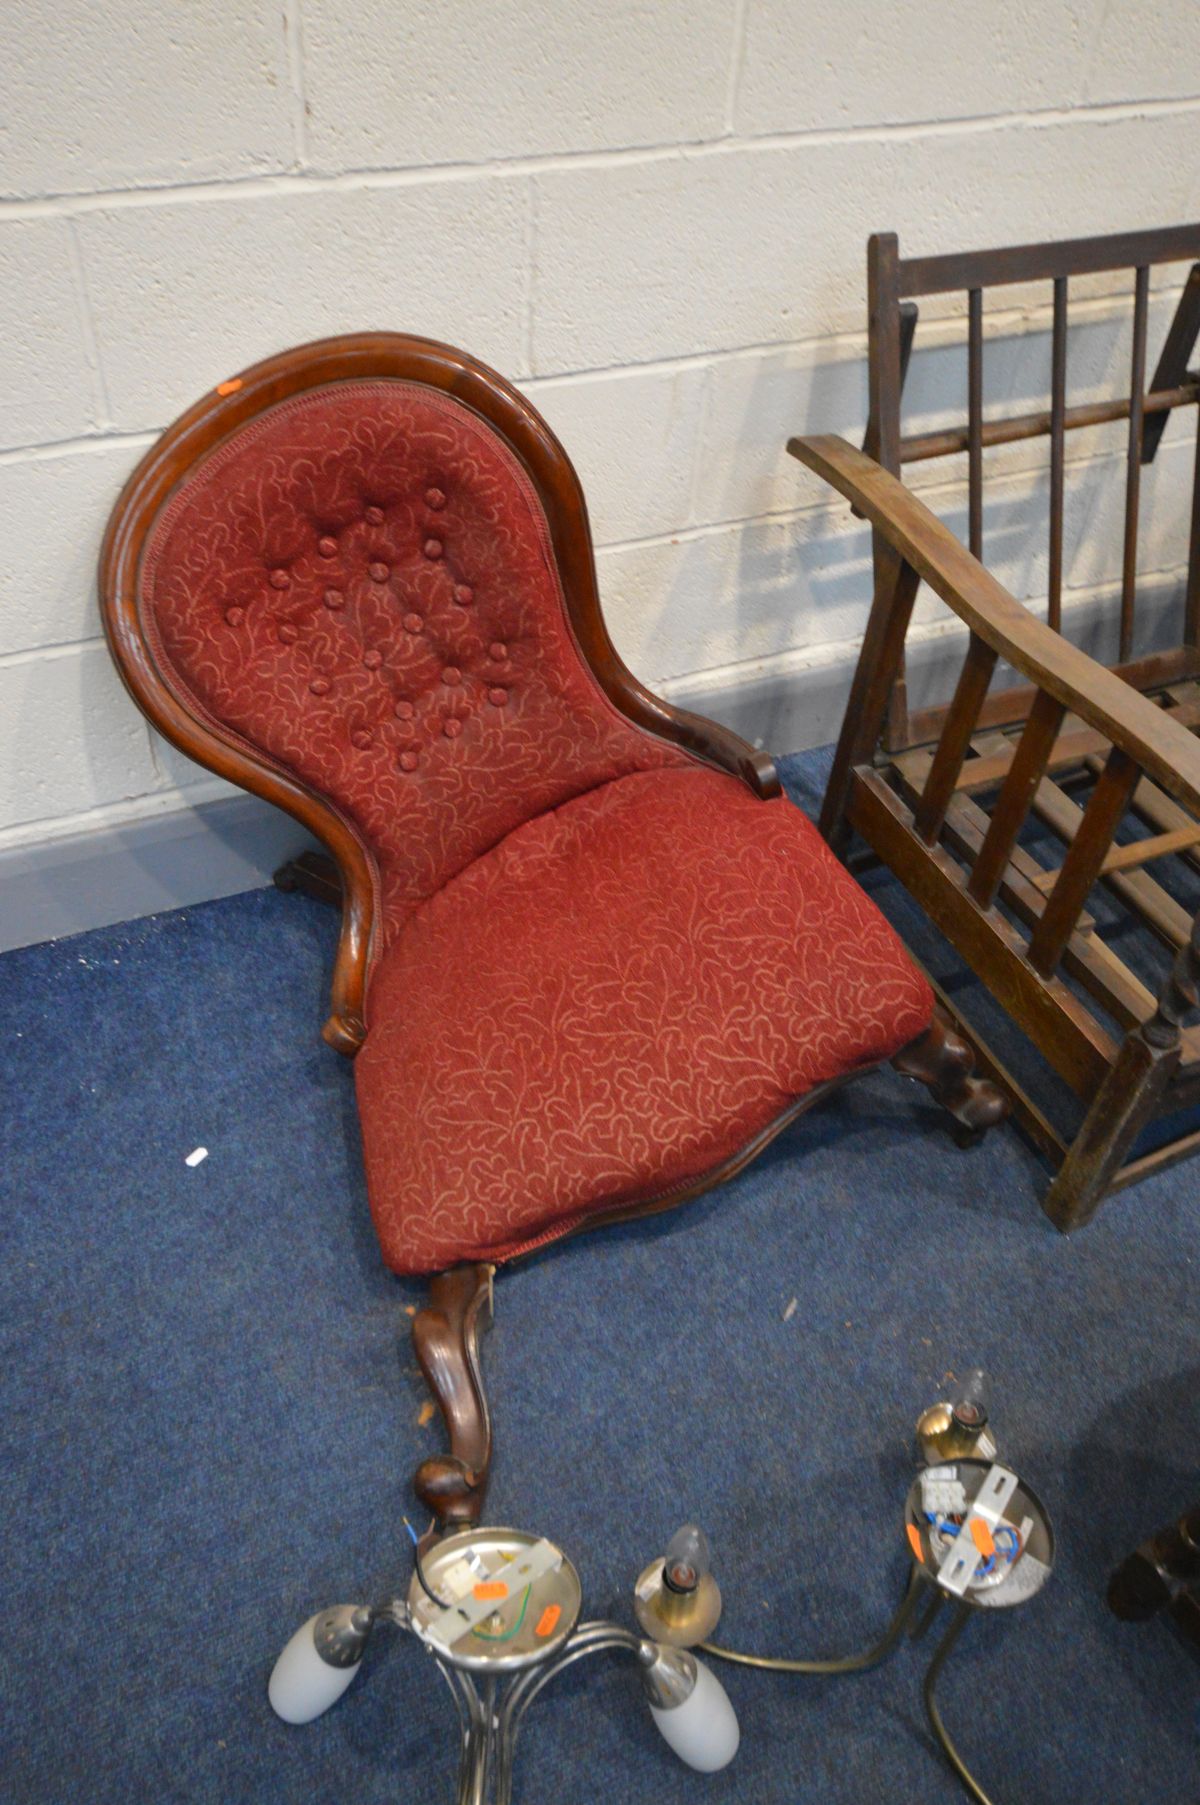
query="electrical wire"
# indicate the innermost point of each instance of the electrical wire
(848, 1663)
(507, 1636)
(872, 1656)
(935, 1717)
(444, 1605)
(420, 1572)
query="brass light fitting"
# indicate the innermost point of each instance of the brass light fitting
(676, 1599)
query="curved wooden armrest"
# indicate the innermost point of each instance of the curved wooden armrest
(345, 1030)
(696, 733)
(1162, 748)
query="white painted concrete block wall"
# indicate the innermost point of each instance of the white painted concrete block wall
(651, 215)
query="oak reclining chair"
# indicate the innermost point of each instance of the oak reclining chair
(591, 960)
(1096, 960)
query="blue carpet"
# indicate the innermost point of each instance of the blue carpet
(210, 1416)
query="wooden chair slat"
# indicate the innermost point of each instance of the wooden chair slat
(1085, 859)
(1156, 809)
(1144, 852)
(1025, 772)
(1140, 893)
(973, 681)
(1083, 1048)
(947, 441)
(975, 421)
(1133, 466)
(1085, 957)
(1171, 368)
(1058, 408)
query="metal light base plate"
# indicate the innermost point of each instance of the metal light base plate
(1022, 1511)
(495, 1645)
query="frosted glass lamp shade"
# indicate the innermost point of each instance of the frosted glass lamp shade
(703, 1730)
(302, 1684)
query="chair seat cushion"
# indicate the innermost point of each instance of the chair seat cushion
(611, 1004)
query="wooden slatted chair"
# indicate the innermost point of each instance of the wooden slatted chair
(943, 794)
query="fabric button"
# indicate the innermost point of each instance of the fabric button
(432, 548)
(498, 651)
(464, 595)
(372, 660)
(327, 547)
(434, 499)
(452, 675)
(497, 697)
(379, 573)
(408, 761)
(288, 633)
(374, 516)
(235, 616)
(452, 728)
(404, 711)
(319, 686)
(361, 737)
(279, 579)
(413, 623)
(334, 599)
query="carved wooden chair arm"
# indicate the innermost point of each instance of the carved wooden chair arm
(707, 739)
(1160, 746)
(345, 1029)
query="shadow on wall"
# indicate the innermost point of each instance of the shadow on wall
(804, 583)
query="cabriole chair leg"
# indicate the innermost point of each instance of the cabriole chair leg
(943, 1060)
(453, 1486)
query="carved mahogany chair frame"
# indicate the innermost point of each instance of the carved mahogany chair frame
(942, 794)
(446, 1333)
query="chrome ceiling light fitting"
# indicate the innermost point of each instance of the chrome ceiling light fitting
(978, 1538)
(498, 1611)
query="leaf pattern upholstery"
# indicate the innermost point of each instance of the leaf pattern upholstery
(610, 1004)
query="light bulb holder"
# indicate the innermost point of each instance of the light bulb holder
(668, 1675)
(340, 1635)
(943, 1434)
(672, 1615)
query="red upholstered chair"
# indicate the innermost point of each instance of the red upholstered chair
(591, 960)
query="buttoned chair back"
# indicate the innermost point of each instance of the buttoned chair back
(358, 579)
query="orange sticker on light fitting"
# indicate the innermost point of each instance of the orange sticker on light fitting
(548, 1619)
(914, 1541)
(981, 1535)
(491, 1588)
(231, 387)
